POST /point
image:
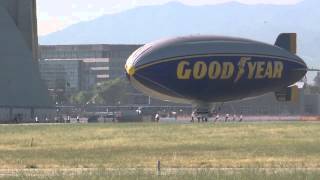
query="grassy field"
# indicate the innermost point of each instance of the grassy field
(291, 145)
(203, 175)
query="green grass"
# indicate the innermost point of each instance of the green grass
(224, 145)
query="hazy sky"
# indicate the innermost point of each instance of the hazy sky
(57, 14)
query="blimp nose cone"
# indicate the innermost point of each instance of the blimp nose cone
(130, 70)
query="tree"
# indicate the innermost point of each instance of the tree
(81, 98)
(113, 92)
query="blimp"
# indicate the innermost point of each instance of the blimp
(206, 70)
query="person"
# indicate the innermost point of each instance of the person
(157, 117)
(217, 118)
(227, 118)
(240, 119)
(192, 116)
(138, 111)
(68, 119)
(175, 115)
(37, 120)
(204, 119)
(78, 119)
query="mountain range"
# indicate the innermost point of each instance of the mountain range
(147, 23)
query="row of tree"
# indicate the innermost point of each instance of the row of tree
(112, 92)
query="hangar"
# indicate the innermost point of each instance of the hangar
(22, 91)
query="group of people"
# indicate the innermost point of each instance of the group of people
(56, 119)
(226, 118)
(204, 118)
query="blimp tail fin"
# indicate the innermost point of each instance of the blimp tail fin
(288, 94)
(287, 41)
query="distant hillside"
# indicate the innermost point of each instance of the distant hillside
(144, 24)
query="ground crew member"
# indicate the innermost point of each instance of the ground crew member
(157, 117)
(192, 117)
(217, 118)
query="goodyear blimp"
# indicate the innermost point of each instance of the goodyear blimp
(203, 70)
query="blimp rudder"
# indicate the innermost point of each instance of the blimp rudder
(287, 41)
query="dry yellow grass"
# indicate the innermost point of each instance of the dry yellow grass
(230, 145)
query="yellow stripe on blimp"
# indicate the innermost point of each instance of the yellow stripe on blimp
(295, 94)
(293, 43)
